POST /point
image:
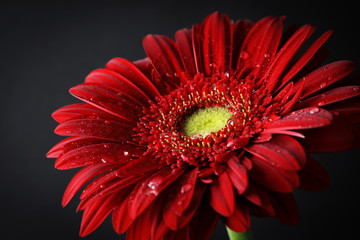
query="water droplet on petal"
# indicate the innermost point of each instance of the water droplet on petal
(267, 55)
(323, 84)
(244, 55)
(107, 122)
(322, 103)
(186, 188)
(314, 110)
(153, 184)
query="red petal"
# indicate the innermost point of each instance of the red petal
(131, 72)
(339, 136)
(216, 35)
(237, 143)
(286, 208)
(181, 194)
(80, 111)
(305, 58)
(109, 100)
(96, 214)
(164, 56)
(72, 143)
(177, 221)
(325, 76)
(285, 54)
(348, 110)
(59, 147)
(158, 226)
(114, 131)
(313, 176)
(283, 96)
(146, 191)
(145, 67)
(141, 227)
(221, 195)
(117, 81)
(200, 227)
(138, 166)
(281, 151)
(183, 234)
(203, 223)
(94, 187)
(260, 197)
(196, 32)
(267, 34)
(107, 187)
(81, 178)
(238, 175)
(240, 220)
(296, 97)
(273, 178)
(184, 41)
(121, 219)
(331, 96)
(96, 153)
(240, 29)
(251, 42)
(302, 119)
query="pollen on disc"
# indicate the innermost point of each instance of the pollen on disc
(206, 120)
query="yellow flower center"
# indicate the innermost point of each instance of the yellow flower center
(206, 120)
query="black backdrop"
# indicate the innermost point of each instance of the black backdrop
(46, 48)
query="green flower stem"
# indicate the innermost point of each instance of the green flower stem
(239, 236)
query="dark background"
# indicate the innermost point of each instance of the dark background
(46, 48)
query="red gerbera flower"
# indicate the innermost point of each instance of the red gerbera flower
(217, 123)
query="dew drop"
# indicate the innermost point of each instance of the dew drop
(102, 186)
(267, 55)
(186, 188)
(126, 153)
(322, 103)
(314, 110)
(244, 55)
(106, 146)
(323, 84)
(153, 186)
(103, 160)
(107, 122)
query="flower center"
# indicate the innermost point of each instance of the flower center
(203, 118)
(206, 120)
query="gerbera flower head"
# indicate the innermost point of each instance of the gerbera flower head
(216, 124)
